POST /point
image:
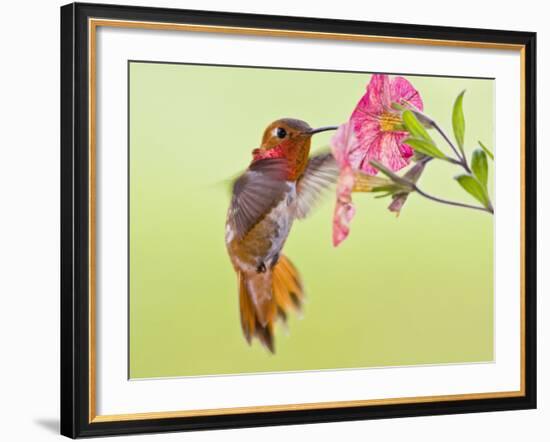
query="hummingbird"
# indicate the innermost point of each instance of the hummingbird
(282, 183)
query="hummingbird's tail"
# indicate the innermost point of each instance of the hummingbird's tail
(266, 297)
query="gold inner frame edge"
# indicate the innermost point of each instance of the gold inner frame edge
(93, 24)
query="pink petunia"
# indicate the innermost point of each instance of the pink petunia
(373, 132)
(343, 141)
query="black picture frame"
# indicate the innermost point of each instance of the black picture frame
(75, 219)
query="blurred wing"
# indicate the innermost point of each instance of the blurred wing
(256, 192)
(321, 172)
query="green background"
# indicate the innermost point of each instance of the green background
(417, 289)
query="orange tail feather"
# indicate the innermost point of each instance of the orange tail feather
(266, 297)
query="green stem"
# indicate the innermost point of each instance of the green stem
(451, 203)
(415, 188)
(461, 157)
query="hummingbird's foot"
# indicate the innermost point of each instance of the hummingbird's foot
(261, 268)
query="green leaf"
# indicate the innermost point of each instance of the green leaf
(425, 147)
(480, 167)
(474, 188)
(459, 125)
(487, 151)
(415, 127)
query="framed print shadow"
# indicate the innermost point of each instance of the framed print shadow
(272, 220)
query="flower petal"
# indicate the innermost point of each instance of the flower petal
(372, 133)
(397, 203)
(366, 133)
(394, 154)
(373, 143)
(344, 209)
(342, 142)
(406, 150)
(402, 92)
(343, 213)
(387, 149)
(376, 100)
(370, 150)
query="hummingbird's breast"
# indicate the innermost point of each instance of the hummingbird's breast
(264, 242)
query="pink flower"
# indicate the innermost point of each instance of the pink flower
(377, 124)
(374, 132)
(343, 141)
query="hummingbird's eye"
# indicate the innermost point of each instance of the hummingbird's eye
(281, 133)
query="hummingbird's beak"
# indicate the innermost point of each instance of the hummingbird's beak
(321, 129)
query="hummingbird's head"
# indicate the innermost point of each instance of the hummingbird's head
(287, 138)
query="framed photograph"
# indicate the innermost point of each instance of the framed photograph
(274, 220)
